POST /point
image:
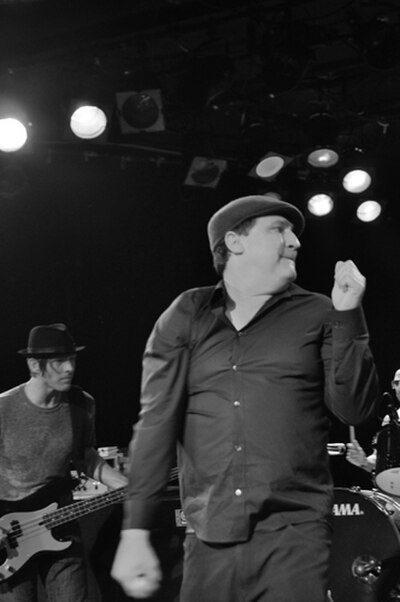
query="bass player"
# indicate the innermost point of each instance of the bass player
(47, 427)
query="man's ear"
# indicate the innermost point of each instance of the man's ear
(233, 242)
(33, 365)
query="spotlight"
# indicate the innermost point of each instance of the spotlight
(140, 111)
(13, 135)
(369, 210)
(322, 130)
(88, 122)
(89, 118)
(269, 166)
(356, 176)
(320, 204)
(15, 125)
(205, 172)
(320, 196)
(356, 181)
(323, 158)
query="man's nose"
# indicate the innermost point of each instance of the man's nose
(292, 240)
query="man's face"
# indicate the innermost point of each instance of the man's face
(59, 372)
(396, 384)
(270, 251)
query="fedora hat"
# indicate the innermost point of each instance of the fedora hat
(50, 340)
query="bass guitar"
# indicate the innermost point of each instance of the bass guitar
(24, 534)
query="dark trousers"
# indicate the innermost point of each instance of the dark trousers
(286, 565)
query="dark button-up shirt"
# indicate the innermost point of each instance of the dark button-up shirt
(248, 408)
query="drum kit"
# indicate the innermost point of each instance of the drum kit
(365, 560)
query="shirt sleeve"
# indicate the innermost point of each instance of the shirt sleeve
(163, 399)
(351, 381)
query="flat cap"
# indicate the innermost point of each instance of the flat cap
(237, 211)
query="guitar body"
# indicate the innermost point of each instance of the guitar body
(17, 546)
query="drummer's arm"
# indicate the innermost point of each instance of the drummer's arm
(357, 456)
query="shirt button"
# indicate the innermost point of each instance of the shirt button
(236, 404)
(238, 448)
(238, 492)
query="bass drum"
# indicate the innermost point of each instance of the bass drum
(365, 560)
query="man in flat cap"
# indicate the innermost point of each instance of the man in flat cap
(47, 430)
(241, 376)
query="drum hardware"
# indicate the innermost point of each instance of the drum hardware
(366, 569)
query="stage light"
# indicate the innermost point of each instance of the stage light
(356, 181)
(13, 135)
(320, 204)
(320, 195)
(205, 172)
(322, 130)
(88, 122)
(323, 158)
(369, 210)
(268, 167)
(140, 111)
(356, 175)
(89, 118)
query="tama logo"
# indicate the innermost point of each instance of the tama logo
(347, 510)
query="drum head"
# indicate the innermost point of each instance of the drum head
(363, 532)
(389, 481)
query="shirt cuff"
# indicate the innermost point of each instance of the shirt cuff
(139, 514)
(349, 323)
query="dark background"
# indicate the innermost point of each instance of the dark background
(103, 235)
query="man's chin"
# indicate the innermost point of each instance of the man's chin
(291, 272)
(64, 386)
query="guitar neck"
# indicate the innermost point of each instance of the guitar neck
(82, 508)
